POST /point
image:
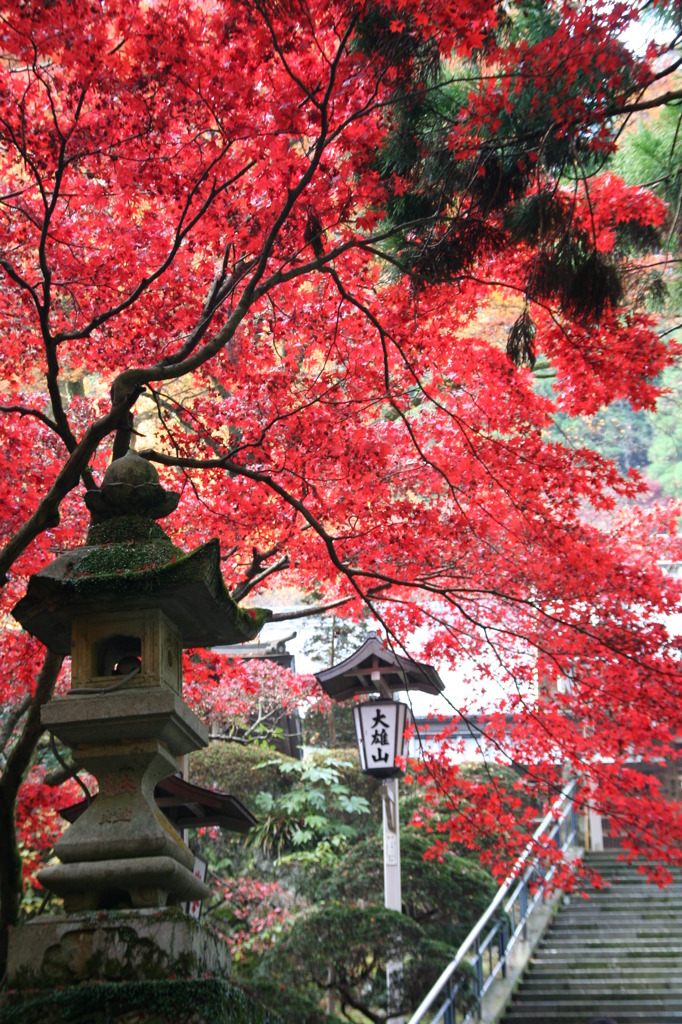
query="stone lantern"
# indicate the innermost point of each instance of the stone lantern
(124, 606)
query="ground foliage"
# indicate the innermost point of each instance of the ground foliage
(353, 945)
(308, 817)
(445, 897)
(243, 771)
(209, 1001)
(310, 876)
(269, 228)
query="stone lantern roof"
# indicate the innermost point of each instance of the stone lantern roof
(129, 562)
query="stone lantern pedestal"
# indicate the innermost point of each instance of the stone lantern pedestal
(122, 850)
(124, 606)
(127, 724)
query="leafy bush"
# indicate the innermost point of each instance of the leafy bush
(352, 946)
(239, 769)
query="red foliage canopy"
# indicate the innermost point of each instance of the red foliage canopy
(203, 213)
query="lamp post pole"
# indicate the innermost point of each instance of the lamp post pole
(392, 884)
(392, 890)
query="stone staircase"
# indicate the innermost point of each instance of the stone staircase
(618, 954)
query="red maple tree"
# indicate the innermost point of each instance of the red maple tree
(269, 228)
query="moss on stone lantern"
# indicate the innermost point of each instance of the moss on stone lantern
(129, 561)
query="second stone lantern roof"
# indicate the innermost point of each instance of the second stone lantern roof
(129, 562)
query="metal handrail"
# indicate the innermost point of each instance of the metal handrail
(495, 934)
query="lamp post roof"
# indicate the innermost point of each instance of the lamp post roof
(129, 562)
(373, 668)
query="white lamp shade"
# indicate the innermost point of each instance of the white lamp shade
(380, 730)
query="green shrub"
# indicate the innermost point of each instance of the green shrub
(238, 769)
(209, 1000)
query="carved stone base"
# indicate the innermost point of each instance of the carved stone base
(48, 952)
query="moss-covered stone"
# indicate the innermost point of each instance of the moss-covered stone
(131, 487)
(208, 1001)
(53, 951)
(137, 565)
(125, 529)
(188, 588)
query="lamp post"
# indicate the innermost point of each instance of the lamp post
(380, 730)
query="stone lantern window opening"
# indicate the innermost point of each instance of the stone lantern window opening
(119, 655)
(108, 645)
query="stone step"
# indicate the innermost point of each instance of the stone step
(624, 904)
(606, 872)
(558, 973)
(627, 989)
(603, 875)
(549, 1014)
(593, 938)
(618, 927)
(591, 958)
(552, 973)
(663, 925)
(619, 856)
(612, 914)
(613, 901)
(574, 968)
(634, 885)
(619, 867)
(615, 1007)
(639, 940)
(573, 942)
(638, 889)
(650, 925)
(602, 989)
(594, 941)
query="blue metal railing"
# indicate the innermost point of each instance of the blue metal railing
(484, 954)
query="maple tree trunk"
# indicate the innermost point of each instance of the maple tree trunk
(10, 872)
(12, 777)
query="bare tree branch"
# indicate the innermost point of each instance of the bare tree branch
(11, 721)
(315, 609)
(24, 410)
(47, 512)
(256, 575)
